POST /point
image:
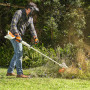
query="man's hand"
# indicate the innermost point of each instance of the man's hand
(18, 38)
(36, 40)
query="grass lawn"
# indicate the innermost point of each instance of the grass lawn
(36, 83)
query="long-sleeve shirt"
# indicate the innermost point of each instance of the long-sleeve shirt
(20, 21)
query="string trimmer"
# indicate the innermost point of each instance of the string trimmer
(11, 36)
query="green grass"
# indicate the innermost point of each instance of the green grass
(36, 83)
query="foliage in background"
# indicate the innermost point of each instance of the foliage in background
(56, 24)
(32, 58)
(6, 53)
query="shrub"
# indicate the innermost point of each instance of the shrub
(32, 58)
(6, 53)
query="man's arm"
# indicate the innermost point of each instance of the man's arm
(33, 31)
(15, 20)
(32, 28)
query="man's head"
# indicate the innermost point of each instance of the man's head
(31, 7)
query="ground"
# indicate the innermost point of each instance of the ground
(37, 83)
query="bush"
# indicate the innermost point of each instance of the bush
(75, 59)
(6, 53)
(32, 58)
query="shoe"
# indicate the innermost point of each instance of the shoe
(10, 74)
(22, 76)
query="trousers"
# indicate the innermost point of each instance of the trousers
(17, 58)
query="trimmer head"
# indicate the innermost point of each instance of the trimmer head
(61, 70)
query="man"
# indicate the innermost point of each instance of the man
(21, 19)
